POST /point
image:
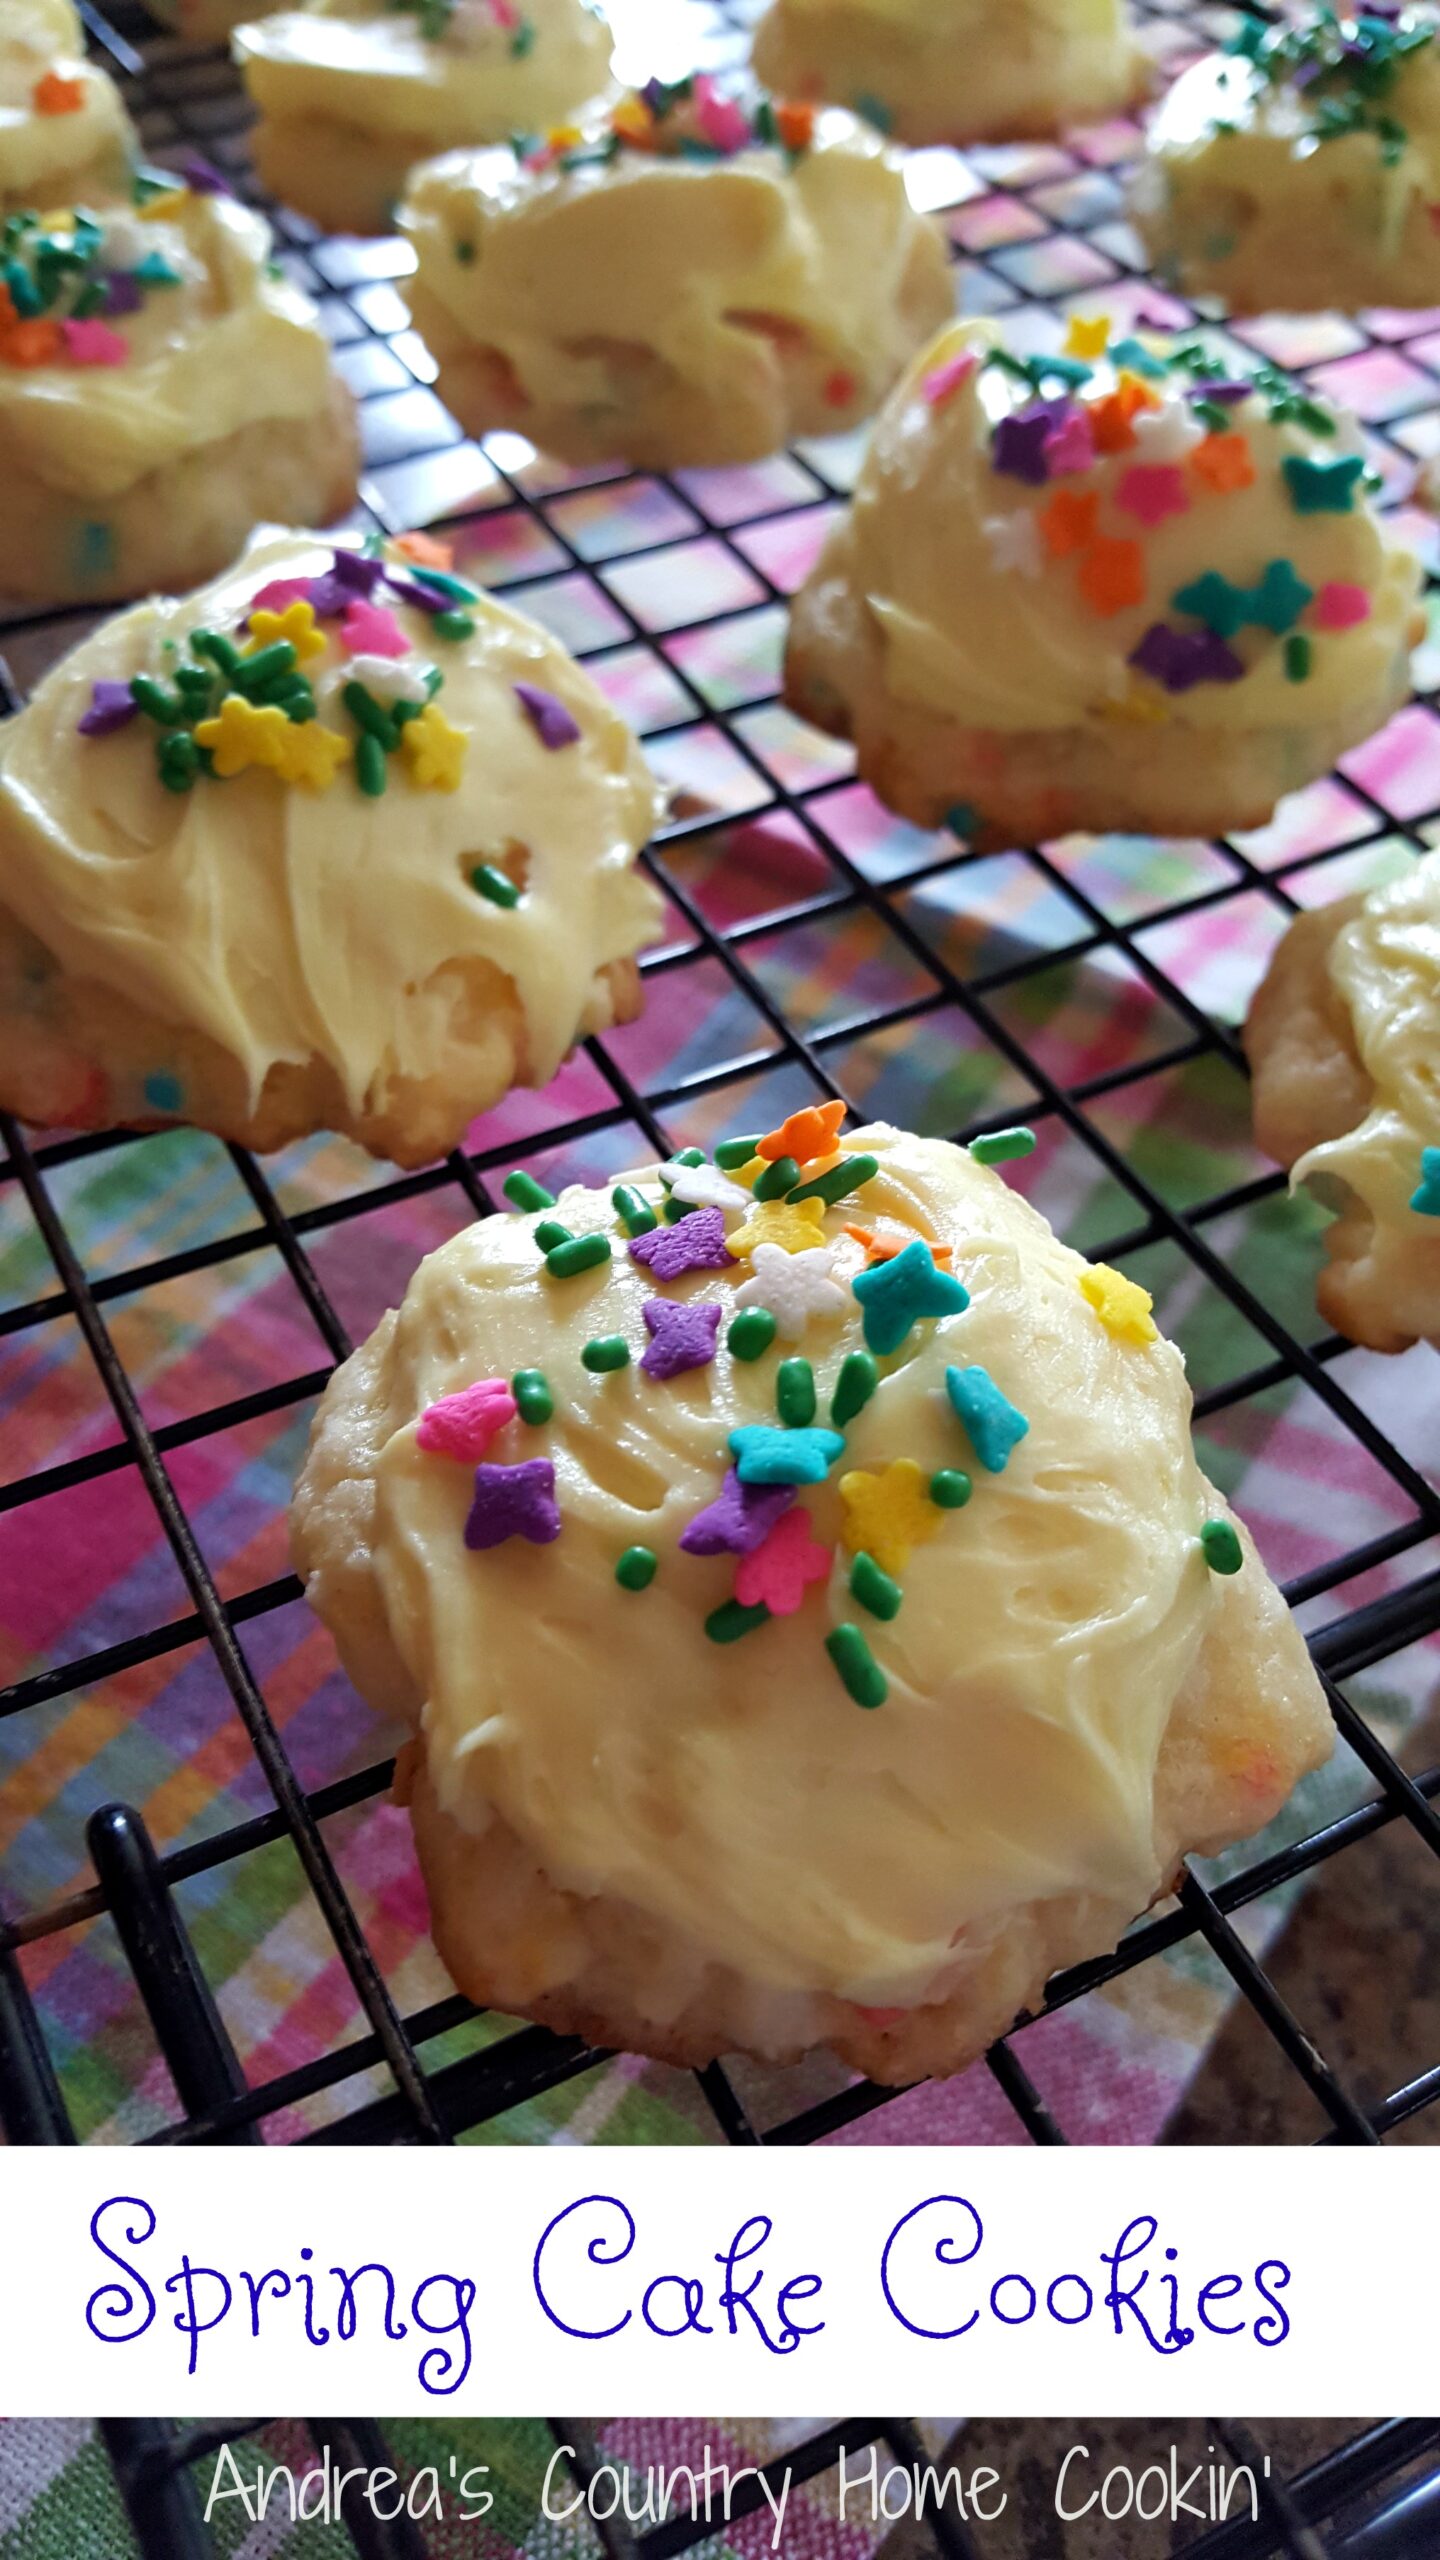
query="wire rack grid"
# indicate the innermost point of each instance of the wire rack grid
(1373, 2496)
(813, 948)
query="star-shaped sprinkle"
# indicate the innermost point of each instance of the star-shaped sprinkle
(780, 1572)
(765, 1455)
(434, 750)
(1339, 606)
(882, 1244)
(696, 1244)
(704, 1186)
(739, 1519)
(94, 342)
(112, 707)
(1322, 486)
(514, 1502)
(1152, 491)
(311, 754)
(553, 725)
(1280, 598)
(295, 623)
(1216, 601)
(1018, 449)
(681, 1336)
(1168, 434)
(885, 1515)
(1013, 543)
(463, 1425)
(993, 1425)
(371, 631)
(277, 593)
(1122, 1306)
(795, 1226)
(807, 1135)
(1112, 575)
(944, 380)
(897, 1294)
(1426, 1200)
(1180, 659)
(1225, 463)
(1070, 447)
(242, 734)
(1069, 522)
(1087, 339)
(793, 1287)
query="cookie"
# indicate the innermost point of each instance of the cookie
(695, 275)
(956, 71)
(162, 388)
(352, 93)
(1125, 587)
(813, 1621)
(1342, 1040)
(1299, 168)
(336, 843)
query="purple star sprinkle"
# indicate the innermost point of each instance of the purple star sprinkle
(1180, 659)
(112, 707)
(514, 1502)
(202, 177)
(682, 1337)
(697, 1243)
(357, 571)
(1020, 441)
(655, 95)
(551, 722)
(414, 591)
(124, 293)
(739, 1520)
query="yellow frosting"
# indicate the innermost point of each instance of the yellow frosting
(291, 923)
(1385, 965)
(675, 255)
(37, 152)
(736, 1791)
(938, 539)
(365, 63)
(232, 344)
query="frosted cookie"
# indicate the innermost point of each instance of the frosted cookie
(1344, 1039)
(352, 93)
(162, 388)
(1299, 169)
(684, 278)
(336, 843)
(63, 129)
(956, 70)
(814, 1623)
(1122, 588)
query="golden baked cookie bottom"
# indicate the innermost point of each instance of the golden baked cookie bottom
(845, 56)
(345, 177)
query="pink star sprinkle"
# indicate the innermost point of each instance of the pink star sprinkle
(1339, 606)
(92, 342)
(463, 1425)
(948, 378)
(279, 593)
(368, 630)
(780, 1572)
(1071, 447)
(1152, 491)
(720, 120)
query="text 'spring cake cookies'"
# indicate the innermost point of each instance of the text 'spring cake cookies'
(956, 70)
(1344, 1041)
(688, 277)
(336, 843)
(814, 1622)
(63, 129)
(163, 387)
(352, 93)
(1126, 586)
(1299, 168)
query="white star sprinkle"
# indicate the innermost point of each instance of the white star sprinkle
(1167, 434)
(1014, 542)
(704, 1186)
(793, 1286)
(387, 679)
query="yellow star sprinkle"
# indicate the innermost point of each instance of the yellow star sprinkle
(886, 1515)
(434, 751)
(564, 137)
(312, 754)
(1087, 338)
(1143, 704)
(1122, 1306)
(243, 733)
(797, 1226)
(160, 208)
(296, 624)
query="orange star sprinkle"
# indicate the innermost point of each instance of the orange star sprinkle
(1112, 575)
(1112, 419)
(805, 1135)
(1070, 521)
(426, 550)
(59, 93)
(795, 124)
(1225, 463)
(31, 342)
(880, 1247)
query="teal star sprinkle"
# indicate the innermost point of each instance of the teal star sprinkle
(895, 1295)
(1278, 601)
(1323, 488)
(1426, 1200)
(1280, 598)
(764, 1455)
(992, 1424)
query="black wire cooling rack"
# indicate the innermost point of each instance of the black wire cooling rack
(1376, 2497)
(393, 2080)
